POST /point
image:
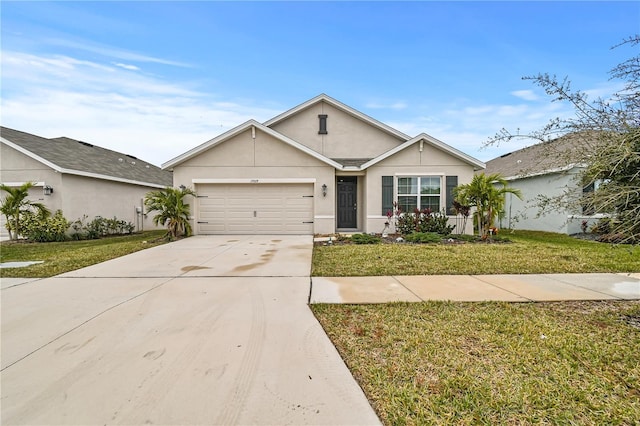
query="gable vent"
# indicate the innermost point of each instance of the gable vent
(322, 121)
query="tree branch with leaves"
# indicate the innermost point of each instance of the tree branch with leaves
(606, 138)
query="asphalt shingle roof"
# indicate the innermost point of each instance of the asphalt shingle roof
(544, 157)
(80, 156)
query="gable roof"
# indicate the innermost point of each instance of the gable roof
(347, 164)
(430, 140)
(554, 156)
(70, 156)
(339, 105)
(242, 128)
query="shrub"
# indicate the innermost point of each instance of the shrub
(602, 227)
(423, 237)
(44, 229)
(365, 239)
(465, 237)
(424, 220)
(100, 227)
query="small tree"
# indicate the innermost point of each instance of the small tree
(485, 193)
(173, 212)
(15, 204)
(606, 135)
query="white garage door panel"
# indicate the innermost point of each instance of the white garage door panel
(255, 209)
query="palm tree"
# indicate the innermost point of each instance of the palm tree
(15, 204)
(485, 193)
(173, 212)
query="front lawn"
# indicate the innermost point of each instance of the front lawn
(530, 252)
(493, 363)
(70, 255)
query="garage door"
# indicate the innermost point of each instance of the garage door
(255, 209)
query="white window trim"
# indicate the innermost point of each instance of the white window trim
(441, 176)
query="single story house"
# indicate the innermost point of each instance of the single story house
(547, 169)
(319, 168)
(79, 178)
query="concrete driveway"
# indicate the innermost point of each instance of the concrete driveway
(207, 330)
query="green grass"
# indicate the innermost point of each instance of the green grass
(68, 256)
(529, 253)
(492, 363)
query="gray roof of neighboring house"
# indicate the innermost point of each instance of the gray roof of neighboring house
(76, 156)
(556, 155)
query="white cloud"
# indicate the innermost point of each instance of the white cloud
(468, 127)
(144, 116)
(127, 66)
(157, 120)
(394, 105)
(112, 52)
(527, 95)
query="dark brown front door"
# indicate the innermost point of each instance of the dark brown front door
(347, 202)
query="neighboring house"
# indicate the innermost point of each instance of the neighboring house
(319, 168)
(547, 169)
(79, 178)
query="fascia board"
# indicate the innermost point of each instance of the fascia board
(388, 153)
(546, 172)
(339, 105)
(208, 144)
(110, 178)
(432, 141)
(239, 129)
(59, 169)
(298, 145)
(453, 151)
(31, 154)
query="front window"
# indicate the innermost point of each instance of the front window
(419, 192)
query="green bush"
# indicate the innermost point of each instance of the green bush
(422, 221)
(465, 237)
(365, 239)
(44, 229)
(423, 237)
(100, 227)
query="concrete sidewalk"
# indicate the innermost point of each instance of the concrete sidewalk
(475, 288)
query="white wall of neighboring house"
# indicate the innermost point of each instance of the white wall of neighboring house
(524, 214)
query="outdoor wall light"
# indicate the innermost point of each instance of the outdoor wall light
(182, 187)
(47, 190)
(324, 190)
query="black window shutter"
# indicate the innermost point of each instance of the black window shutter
(387, 194)
(452, 182)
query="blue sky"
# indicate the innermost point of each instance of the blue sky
(154, 79)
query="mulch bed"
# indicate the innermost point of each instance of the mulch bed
(339, 240)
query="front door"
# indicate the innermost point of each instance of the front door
(347, 202)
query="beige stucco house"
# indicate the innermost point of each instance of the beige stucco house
(319, 168)
(79, 178)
